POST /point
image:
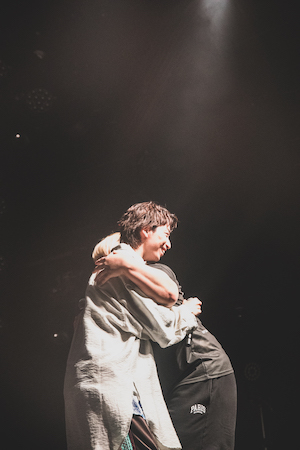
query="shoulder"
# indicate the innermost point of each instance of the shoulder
(165, 269)
(124, 248)
(173, 277)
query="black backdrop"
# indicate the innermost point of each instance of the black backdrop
(194, 104)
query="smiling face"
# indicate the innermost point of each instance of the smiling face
(144, 216)
(155, 243)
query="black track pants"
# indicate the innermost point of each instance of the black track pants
(204, 413)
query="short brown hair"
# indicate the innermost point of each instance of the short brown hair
(149, 215)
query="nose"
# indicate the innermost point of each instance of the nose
(168, 244)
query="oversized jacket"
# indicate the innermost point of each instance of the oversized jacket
(111, 357)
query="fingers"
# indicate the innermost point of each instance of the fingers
(99, 274)
(194, 300)
(197, 305)
(98, 269)
(101, 277)
(197, 300)
(100, 261)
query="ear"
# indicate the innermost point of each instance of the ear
(144, 233)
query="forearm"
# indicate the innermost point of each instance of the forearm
(166, 326)
(153, 282)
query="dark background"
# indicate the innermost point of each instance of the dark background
(191, 103)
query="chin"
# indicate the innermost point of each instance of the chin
(155, 258)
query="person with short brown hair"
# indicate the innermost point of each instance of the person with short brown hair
(196, 375)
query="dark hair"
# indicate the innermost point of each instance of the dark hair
(149, 215)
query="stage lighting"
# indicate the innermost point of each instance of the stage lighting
(39, 100)
(60, 338)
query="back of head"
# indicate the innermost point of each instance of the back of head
(105, 246)
(146, 215)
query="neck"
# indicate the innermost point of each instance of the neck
(140, 250)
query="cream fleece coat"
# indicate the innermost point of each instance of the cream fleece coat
(111, 357)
